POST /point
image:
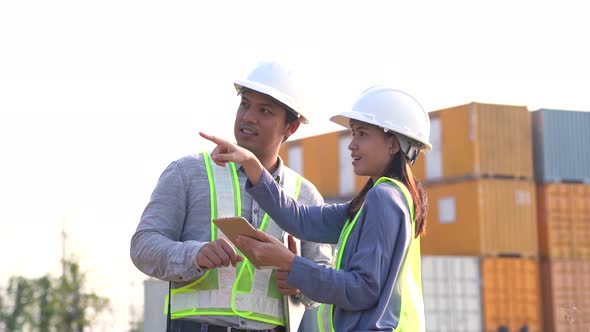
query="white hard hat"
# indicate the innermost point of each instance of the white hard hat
(279, 82)
(392, 110)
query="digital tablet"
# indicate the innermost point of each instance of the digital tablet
(234, 226)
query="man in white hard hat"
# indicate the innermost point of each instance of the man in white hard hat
(212, 287)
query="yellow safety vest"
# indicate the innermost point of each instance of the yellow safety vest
(410, 281)
(234, 291)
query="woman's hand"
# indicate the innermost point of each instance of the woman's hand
(266, 250)
(227, 151)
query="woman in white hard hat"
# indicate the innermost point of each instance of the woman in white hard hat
(375, 284)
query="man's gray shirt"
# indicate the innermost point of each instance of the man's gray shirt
(176, 224)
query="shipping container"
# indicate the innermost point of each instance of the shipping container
(560, 145)
(565, 285)
(511, 295)
(325, 161)
(564, 220)
(452, 294)
(316, 159)
(476, 140)
(471, 294)
(320, 162)
(481, 217)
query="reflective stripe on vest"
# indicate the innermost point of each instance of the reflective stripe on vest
(412, 305)
(244, 290)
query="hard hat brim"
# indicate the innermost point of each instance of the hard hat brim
(344, 118)
(273, 93)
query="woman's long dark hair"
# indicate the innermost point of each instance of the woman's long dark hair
(399, 169)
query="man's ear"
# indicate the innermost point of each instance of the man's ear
(291, 128)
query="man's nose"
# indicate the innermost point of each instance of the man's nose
(249, 115)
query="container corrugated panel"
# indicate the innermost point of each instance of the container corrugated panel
(566, 294)
(154, 296)
(582, 209)
(564, 220)
(511, 294)
(452, 294)
(504, 134)
(560, 145)
(481, 217)
(481, 140)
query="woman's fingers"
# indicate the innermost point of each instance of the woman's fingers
(211, 138)
(223, 146)
(225, 151)
(292, 244)
(248, 243)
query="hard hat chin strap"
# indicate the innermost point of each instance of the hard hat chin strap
(412, 154)
(409, 148)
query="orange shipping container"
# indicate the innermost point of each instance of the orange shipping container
(564, 220)
(320, 160)
(481, 217)
(315, 158)
(478, 139)
(565, 285)
(510, 294)
(325, 161)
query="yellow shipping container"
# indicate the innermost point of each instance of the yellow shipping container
(319, 159)
(565, 285)
(481, 217)
(510, 294)
(320, 162)
(478, 139)
(564, 220)
(325, 161)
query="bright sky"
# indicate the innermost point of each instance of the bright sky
(97, 98)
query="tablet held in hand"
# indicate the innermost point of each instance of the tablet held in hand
(231, 227)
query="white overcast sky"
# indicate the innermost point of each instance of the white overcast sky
(97, 97)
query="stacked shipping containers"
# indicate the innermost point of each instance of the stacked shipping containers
(561, 152)
(455, 287)
(482, 214)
